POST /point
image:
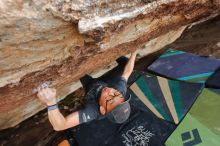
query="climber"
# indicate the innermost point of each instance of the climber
(103, 99)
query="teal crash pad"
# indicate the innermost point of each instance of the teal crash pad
(167, 99)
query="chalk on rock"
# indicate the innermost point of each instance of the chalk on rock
(44, 85)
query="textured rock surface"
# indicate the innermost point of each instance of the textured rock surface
(59, 41)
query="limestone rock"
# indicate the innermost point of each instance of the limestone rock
(58, 41)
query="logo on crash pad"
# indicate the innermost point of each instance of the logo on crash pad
(137, 136)
(191, 138)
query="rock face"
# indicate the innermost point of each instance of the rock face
(59, 41)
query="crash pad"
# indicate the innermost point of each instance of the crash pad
(167, 99)
(184, 66)
(201, 126)
(214, 80)
(143, 129)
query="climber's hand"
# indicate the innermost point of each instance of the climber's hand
(48, 96)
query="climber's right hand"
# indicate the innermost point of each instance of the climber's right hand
(48, 96)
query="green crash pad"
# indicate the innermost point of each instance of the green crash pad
(201, 126)
(167, 99)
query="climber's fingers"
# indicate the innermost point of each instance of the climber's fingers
(47, 95)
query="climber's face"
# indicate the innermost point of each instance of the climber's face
(109, 99)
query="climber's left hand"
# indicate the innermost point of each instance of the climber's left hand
(48, 96)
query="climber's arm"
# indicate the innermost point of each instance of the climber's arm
(129, 66)
(58, 121)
